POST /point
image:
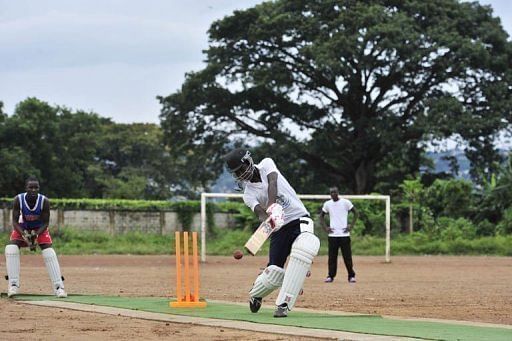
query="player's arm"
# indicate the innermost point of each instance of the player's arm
(355, 216)
(45, 216)
(260, 212)
(322, 221)
(16, 212)
(252, 202)
(272, 188)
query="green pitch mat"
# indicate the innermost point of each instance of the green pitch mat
(366, 324)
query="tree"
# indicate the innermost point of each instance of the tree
(354, 89)
(51, 142)
(494, 199)
(450, 198)
(193, 144)
(132, 162)
(413, 191)
(16, 166)
(80, 154)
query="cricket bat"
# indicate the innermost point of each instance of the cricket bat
(259, 237)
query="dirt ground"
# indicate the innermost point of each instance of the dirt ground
(456, 288)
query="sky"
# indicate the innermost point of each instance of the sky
(113, 57)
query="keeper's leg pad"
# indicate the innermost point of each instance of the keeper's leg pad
(12, 263)
(53, 268)
(304, 249)
(269, 280)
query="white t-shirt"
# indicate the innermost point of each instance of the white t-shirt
(257, 193)
(338, 214)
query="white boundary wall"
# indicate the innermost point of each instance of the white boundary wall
(386, 198)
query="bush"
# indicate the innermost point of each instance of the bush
(451, 229)
(485, 228)
(505, 225)
(244, 218)
(450, 198)
(367, 246)
(420, 243)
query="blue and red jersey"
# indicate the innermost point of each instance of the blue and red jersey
(31, 217)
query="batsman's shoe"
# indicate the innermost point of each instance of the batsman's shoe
(352, 280)
(255, 304)
(329, 280)
(61, 293)
(281, 310)
(12, 290)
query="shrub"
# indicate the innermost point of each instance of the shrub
(451, 229)
(450, 198)
(485, 228)
(505, 225)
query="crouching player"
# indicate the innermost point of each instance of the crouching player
(266, 192)
(30, 219)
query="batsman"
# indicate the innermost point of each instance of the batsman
(30, 219)
(268, 194)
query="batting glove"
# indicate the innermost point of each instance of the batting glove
(276, 214)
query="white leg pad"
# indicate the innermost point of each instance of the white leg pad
(304, 249)
(12, 263)
(270, 279)
(53, 268)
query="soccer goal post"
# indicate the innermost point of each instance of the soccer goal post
(385, 198)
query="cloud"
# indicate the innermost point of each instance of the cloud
(111, 56)
(69, 39)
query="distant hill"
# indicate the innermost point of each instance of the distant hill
(442, 164)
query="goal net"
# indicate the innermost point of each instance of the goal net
(385, 198)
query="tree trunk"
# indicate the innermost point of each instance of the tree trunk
(410, 219)
(363, 177)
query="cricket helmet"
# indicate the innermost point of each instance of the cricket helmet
(240, 164)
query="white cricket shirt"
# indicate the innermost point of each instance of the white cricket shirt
(257, 193)
(338, 215)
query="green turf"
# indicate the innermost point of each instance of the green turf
(367, 324)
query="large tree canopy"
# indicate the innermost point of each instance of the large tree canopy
(354, 89)
(80, 154)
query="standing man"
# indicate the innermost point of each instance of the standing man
(339, 233)
(268, 193)
(30, 219)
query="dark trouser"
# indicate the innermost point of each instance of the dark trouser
(281, 243)
(342, 243)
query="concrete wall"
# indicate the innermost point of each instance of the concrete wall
(118, 221)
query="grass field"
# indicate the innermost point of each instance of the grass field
(75, 242)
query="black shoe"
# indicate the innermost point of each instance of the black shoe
(281, 310)
(255, 304)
